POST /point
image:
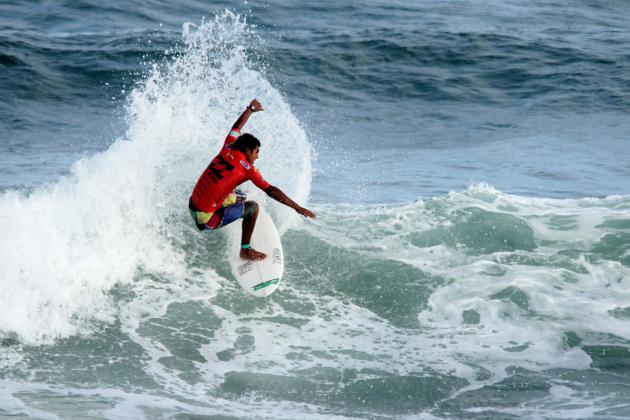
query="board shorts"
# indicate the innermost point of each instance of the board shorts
(233, 208)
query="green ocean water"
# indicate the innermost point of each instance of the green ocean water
(424, 319)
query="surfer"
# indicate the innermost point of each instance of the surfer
(214, 203)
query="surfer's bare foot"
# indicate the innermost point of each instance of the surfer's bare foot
(252, 254)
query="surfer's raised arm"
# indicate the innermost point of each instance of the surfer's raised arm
(278, 195)
(254, 106)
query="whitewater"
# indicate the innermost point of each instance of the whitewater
(476, 303)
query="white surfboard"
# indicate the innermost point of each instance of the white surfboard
(260, 278)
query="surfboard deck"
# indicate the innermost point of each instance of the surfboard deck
(260, 278)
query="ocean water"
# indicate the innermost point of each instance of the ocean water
(468, 162)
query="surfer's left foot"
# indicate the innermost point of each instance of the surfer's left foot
(252, 254)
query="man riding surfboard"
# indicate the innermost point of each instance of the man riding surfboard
(214, 204)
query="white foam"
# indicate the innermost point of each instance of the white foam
(63, 246)
(60, 402)
(560, 300)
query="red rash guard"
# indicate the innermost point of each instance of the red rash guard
(227, 170)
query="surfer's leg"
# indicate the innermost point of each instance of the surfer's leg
(249, 222)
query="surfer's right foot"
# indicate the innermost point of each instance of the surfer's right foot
(252, 254)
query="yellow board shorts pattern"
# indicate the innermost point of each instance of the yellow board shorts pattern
(205, 219)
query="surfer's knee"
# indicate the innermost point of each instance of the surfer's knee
(251, 209)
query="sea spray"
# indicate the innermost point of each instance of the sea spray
(122, 213)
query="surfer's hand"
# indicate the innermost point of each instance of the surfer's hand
(306, 212)
(255, 106)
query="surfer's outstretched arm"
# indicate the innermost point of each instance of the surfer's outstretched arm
(254, 106)
(278, 195)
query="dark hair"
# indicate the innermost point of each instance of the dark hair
(246, 142)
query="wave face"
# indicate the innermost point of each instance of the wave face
(476, 303)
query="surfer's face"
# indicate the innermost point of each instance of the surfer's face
(252, 154)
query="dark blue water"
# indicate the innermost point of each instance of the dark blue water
(438, 83)
(468, 162)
